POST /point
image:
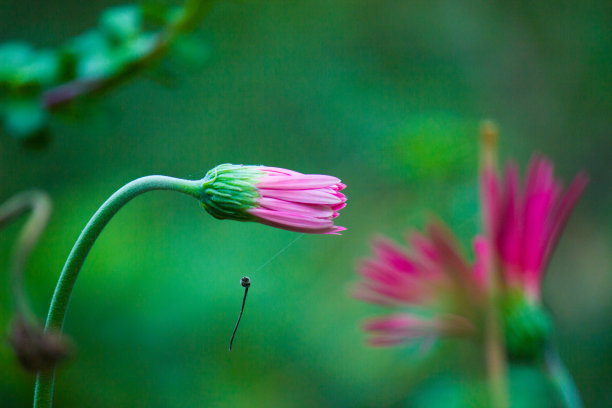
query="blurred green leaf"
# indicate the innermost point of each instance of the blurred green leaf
(137, 47)
(13, 55)
(90, 42)
(24, 118)
(42, 69)
(121, 23)
(99, 65)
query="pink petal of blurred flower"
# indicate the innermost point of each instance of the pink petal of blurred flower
(484, 261)
(430, 278)
(396, 276)
(524, 223)
(406, 328)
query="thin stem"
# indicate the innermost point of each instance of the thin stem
(40, 205)
(562, 379)
(246, 291)
(495, 344)
(43, 394)
(495, 347)
(496, 361)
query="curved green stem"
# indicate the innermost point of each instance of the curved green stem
(40, 205)
(562, 379)
(43, 394)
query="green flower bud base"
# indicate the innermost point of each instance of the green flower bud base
(229, 191)
(527, 328)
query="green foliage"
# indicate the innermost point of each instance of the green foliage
(123, 23)
(13, 55)
(87, 63)
(24, 118)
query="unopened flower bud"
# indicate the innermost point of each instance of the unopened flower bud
(273, 196)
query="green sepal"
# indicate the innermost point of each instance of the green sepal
(527, 327)
(230, 190)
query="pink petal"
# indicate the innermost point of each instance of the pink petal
(308, 210)
(393, 330)
(338, 207)
(563, 211)
(510, 230)
(397, 323)
(295, 222)
(290, 219)
(451, 259)
(424, 246)
(316, 196)
(336, 231)
(540, 196)
(394, 255)
(297, 182)
(375, 270)
(483, 264)
(278, 171)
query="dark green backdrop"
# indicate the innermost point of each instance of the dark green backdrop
(386, 95)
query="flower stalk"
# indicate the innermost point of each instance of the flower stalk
(35, 349)
(235, 196)
(43, 393)
(495, 354)
(561, 379)
(39, 203)
(495, 347)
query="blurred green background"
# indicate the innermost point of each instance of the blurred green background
(386, 95)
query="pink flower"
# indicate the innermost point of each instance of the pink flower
(432, 282)
(523, 222)
(436, 293)
(276, 197)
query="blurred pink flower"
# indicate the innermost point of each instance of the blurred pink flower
(433, 283)
(276, 197)
(440, 294)
(523, 222)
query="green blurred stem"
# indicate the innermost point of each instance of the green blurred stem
(193, 11)
(495, 353)
(43, 394)
(495, 345)
(39, 203)
(561, 379)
